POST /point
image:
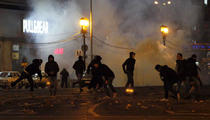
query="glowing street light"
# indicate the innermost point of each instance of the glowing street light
(169, 2)
(84, 23)
(156, 2)
(164, 30)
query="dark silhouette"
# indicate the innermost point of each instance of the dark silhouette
(194, 77)
(28, 72)
(108, 75)
(64, 79)
(128, 68)
(79, 67)
(96, 81)
(51, 68)
(169, 77)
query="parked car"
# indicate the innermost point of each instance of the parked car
(6, 77)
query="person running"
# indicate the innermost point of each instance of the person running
(79, 67)
(64, 79)
(28, 72)
(108, 75)
(128, 68)
(51, 68)
(169, 78)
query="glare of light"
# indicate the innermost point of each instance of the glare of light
(129, 90)
(48, 83)
(156, 2)
(164, 4)
(164, 29)
(169, 2)
(84, 22)
(206, 2)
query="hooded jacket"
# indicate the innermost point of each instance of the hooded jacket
(79, 66)
(51, 67)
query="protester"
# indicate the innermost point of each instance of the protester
(64, 78)
(51, 68)
(28, 72)
(194, 78)
(169, 77)
(96, 81)
(108, 76)
(128, 68)
(79, 67)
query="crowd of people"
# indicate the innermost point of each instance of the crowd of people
(186, 73)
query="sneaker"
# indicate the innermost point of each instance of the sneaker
(164, 100)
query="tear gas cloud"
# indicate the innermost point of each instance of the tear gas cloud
(132, 24)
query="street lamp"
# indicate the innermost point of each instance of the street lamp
(164, 30)
(84, 23)
(156, 2)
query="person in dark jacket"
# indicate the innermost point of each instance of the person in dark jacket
(169, 77)
(79, 67)
(96, 81)
(64, 80)
(194, 78)
(29, 71)
(181, 69)
(109, 76)
(51, 68)
(128, 68)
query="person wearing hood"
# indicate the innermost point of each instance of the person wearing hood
(128, 68)
(79, 67)
(28, 72)
(51, 68)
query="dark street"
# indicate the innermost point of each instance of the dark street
(69, 104)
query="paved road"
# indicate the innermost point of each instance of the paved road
(69, 104)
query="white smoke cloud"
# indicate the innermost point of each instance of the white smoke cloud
(132, 24)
